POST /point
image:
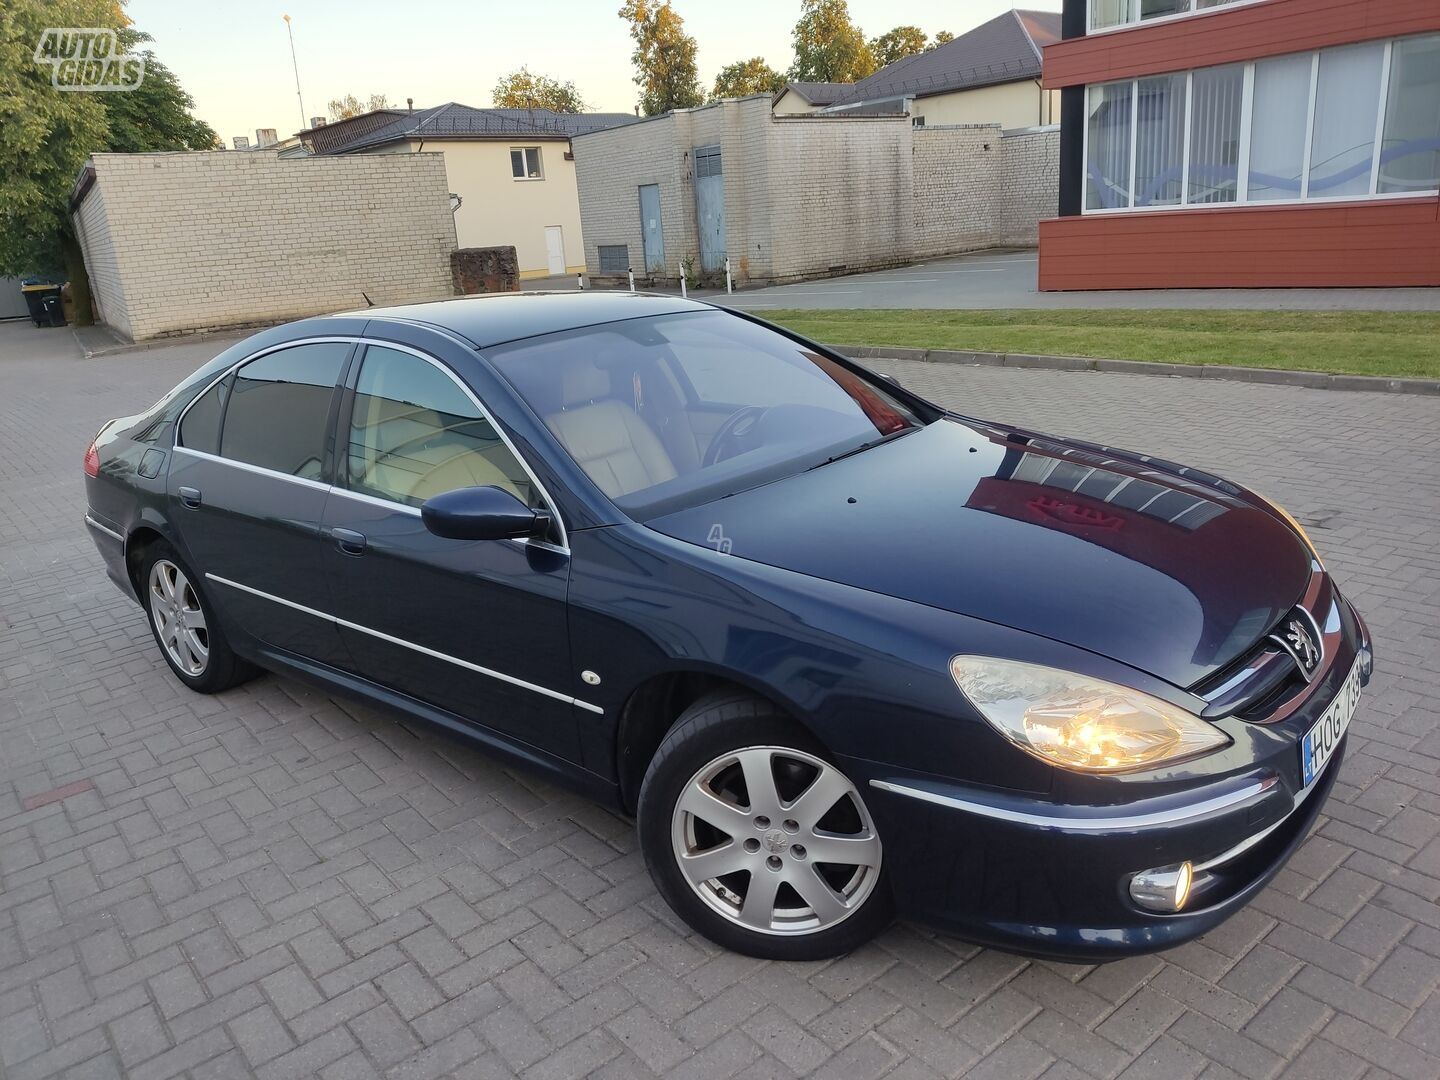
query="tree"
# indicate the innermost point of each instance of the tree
(829, 47)
(46, 134)
(664, 57)
(156, 116)
(349, 105)
(899, 43)
(944, 37)
(523, 90)
(744, 77)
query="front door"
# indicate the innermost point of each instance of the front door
(710, 207)
(477, 628)
(650, 229)
(554, 250)
(249, 484)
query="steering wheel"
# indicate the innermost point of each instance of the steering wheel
(739, 424)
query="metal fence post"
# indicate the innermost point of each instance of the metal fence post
(631, 275)
(683, 293)
(728, 287)
(580, 282)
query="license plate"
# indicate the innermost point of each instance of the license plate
(1324, 736)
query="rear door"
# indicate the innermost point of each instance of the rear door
(477, 628)
(249, 482)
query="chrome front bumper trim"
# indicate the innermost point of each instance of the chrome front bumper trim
(1100, 819)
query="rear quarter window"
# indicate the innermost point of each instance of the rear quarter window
(200, 427)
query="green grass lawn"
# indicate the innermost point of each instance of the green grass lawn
(1395, 344)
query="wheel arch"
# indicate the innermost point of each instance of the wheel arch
(653, 707)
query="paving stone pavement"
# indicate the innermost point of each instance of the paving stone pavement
(276, 883)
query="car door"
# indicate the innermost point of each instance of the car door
(477, 628)
(249, 482)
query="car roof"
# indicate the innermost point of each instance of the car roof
(501, 317)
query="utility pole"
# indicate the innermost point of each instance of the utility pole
(304, 123)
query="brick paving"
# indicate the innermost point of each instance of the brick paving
(276, 883)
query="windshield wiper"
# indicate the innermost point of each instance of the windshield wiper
(861, 448)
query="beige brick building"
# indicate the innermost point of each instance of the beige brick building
(176, 242)
(792, 197)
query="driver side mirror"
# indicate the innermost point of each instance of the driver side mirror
(482, 513)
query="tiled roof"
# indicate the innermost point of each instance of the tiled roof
(455, 121)
(1005, 49)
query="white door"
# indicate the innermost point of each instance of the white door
(555, 249)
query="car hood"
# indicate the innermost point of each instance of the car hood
(1171, 571)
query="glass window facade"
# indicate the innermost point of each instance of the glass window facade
(1354, 121)
(1105, 14)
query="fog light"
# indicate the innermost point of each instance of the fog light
(1164, 889)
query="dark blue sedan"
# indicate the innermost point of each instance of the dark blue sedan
(839, 651)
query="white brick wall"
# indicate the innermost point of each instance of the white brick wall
(815, 195)
(190, 241)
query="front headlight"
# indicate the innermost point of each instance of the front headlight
(1081, 723)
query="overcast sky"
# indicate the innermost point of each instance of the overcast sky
(234, 59)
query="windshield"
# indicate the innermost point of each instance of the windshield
(677, 410)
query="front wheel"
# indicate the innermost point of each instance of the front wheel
(185, 626)
(757, 839)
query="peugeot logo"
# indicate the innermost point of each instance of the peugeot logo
(1298, 640)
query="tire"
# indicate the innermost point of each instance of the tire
(196, 651)
(696, 804)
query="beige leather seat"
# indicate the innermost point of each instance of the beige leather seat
(616, 448)
(428, 458)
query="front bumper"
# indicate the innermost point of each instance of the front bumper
(1047, 878)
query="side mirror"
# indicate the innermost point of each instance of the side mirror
(482, 513)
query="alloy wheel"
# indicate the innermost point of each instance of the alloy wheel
(179, 618)
(776, 840)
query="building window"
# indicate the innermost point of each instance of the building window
(1283, 129)
(614, 258)
(1108, 151)
(1410, 144)
(1111, 14)
(525, 163)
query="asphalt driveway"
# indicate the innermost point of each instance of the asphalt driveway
(279, 883)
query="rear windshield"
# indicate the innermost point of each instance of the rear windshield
(677, 410)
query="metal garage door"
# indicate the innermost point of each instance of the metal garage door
(710, 207)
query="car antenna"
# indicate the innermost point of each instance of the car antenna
(368, 301)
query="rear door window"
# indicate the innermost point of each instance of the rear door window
(279, 409)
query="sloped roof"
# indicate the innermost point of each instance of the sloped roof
(1005, 49)
(819, 93)
(455, 121)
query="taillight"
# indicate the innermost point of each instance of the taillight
(92, 460)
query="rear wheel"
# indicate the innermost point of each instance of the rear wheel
(757, 839)
(185, 626)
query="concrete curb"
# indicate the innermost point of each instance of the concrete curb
(1314, 380)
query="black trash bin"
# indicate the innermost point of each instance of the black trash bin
(46, 307)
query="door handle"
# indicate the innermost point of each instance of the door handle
(190, 497)
(349, 541)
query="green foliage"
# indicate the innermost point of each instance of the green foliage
(664, 57)
(829, 47)
(753, 76)
(944, 37)
(523, 90)
(45, 134)
(899, 43)
(156, 116)
(343, 108)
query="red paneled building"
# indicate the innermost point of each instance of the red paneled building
(1246, 143)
